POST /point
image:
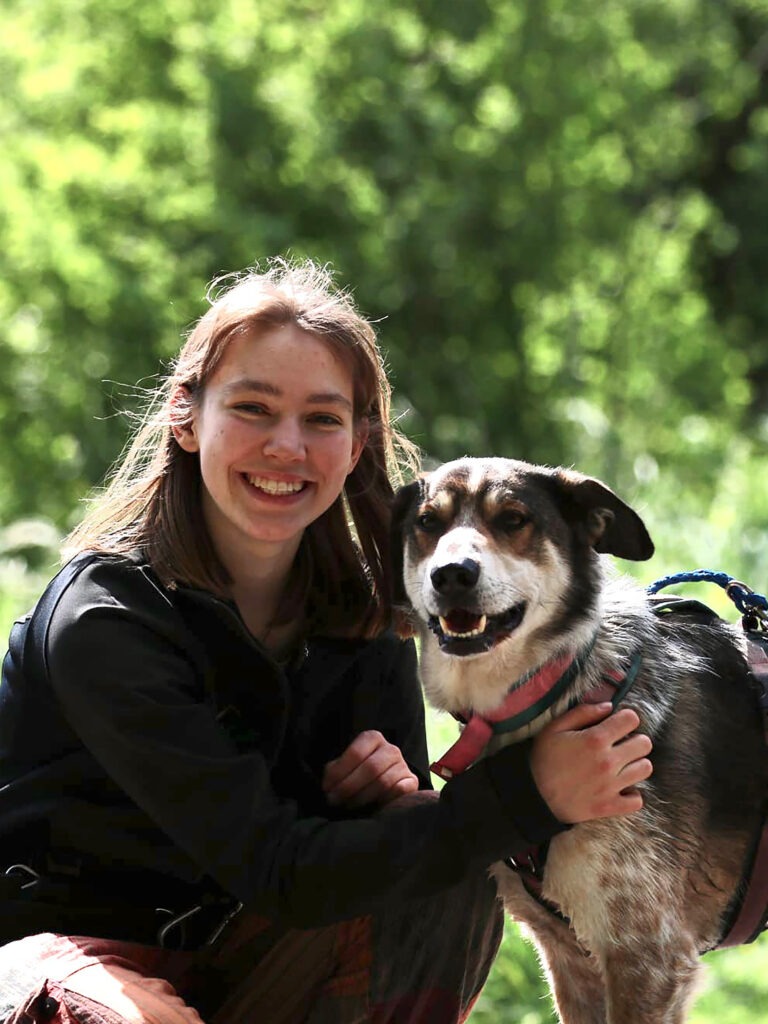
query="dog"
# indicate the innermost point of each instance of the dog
(505, 579)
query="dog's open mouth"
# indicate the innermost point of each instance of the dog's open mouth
(464, 632)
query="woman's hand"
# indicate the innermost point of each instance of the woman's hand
(587, 763)
(370, 771)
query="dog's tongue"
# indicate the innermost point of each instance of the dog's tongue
(459, 620)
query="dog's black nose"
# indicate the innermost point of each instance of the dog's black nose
(456, 576)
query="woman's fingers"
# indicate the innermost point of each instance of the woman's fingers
(587, 765)
(371, 770)
(388, 786)
(338, 771)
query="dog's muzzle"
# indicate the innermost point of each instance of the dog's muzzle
(462, 631)
(460, 626)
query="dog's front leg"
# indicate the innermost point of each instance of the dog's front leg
(574, 977)
(653, 984)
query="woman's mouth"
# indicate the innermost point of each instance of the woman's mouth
(279, 488)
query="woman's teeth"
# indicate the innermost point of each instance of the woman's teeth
(275, 486)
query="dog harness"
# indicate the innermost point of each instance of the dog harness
(749, 918)
(529, 697)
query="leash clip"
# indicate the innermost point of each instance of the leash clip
(211, 932)
(23, 869)
(751, 605)
(175, 922)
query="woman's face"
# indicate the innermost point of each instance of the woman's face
(276, 437)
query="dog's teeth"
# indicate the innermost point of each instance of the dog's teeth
(479, 628)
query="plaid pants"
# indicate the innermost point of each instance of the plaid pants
(422, 963)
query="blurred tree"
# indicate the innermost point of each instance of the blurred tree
(733, 172)
(539, 197)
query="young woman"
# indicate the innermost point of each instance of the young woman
(215, 796)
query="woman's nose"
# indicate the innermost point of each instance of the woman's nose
(286, 441)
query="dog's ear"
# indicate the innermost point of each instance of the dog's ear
(608, 524)
(405, 499)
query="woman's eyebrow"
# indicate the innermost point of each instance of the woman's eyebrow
(249, 384)
(330, 398)
(262, 387)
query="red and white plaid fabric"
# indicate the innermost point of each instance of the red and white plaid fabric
(423, 962)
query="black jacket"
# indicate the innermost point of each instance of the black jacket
(146, 739)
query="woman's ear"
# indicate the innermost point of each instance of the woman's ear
(359, 441)
(183, 419)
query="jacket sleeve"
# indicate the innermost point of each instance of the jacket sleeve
(399, 708)
(132, 694)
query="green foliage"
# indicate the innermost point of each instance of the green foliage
(28, 558)
(735, 987)
(555, 208)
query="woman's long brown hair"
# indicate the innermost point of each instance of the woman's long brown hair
(341, 582)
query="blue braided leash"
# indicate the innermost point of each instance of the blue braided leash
(745, 599)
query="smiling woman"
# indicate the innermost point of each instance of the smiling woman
(279, 406)
(212, 753)
(275, 449)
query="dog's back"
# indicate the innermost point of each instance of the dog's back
(688, 851)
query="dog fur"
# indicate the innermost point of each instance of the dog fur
(647, 893)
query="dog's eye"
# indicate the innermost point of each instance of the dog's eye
(511, 520)
(429, 522)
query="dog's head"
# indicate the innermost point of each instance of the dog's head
(497, 551)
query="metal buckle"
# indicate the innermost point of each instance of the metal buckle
(755, 616)
(523, 864)
(179, 920)
(25, 869)
(175, 922)
(223, 924)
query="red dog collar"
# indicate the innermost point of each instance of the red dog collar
(528, 694)
(526, 701)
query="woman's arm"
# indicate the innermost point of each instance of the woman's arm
(130, 690)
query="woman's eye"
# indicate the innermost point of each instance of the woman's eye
(429, 522)
(325, 420)
(254, 408)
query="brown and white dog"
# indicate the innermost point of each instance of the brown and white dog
(516, 610)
